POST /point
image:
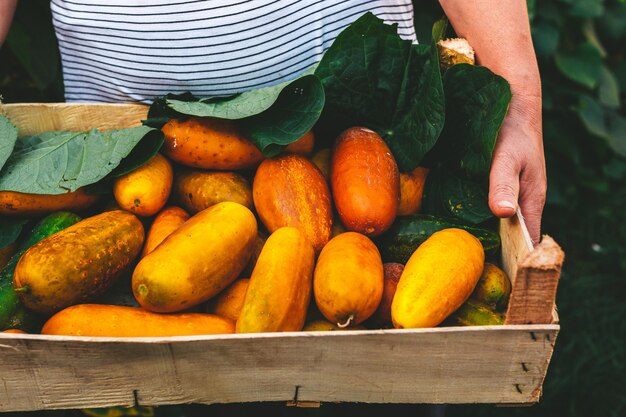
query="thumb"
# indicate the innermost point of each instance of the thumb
(503, 185)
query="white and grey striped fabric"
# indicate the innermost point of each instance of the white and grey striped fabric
(135, 50)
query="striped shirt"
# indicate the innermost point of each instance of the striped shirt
(135, 50)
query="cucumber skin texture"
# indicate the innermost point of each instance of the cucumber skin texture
(408, 232)
(12, 313)
(78, 263)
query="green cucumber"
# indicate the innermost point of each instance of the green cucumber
(408, 232)
(475, 313)
(13, 315)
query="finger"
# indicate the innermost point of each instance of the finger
(532, 200)
(503, 185)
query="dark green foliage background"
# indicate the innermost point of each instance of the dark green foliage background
(581, 45)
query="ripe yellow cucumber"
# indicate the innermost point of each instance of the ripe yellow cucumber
(168, 220)
(290, 191)
(25, 204)
(280, 287)
(145, 190)
(349, 279)
(229, 302)
(198, 190)
(438, 278)
(79, 262)
(198, 260)
(119, 321)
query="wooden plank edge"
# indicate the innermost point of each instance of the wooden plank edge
(516, 244)
(527, 239)
(534, 288)
(325, 334)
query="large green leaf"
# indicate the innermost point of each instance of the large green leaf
(238, 106)
(272, 117)
(160, 112)
(58, 162)
(581, 65)
(8, 136)
(375, 79)
(448, 194)
(10, 229)
(294, 113)
(477, 101)
(147, 147)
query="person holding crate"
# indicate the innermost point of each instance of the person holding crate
(137, 50)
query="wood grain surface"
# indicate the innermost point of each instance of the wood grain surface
(33, 118)
(497, 364)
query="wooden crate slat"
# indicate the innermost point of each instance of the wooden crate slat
(497, 364)
(34, 118)
(516, 244)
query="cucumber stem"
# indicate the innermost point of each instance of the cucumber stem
(24, 289)
(347, 323)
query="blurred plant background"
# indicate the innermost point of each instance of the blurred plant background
(581, 46)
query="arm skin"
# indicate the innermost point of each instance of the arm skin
(7, 8)
(499, 32)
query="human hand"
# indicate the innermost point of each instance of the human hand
(518, 168)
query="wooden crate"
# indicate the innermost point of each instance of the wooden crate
(486, 364)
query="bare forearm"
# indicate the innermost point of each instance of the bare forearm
(7, 8)
(499, 31)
